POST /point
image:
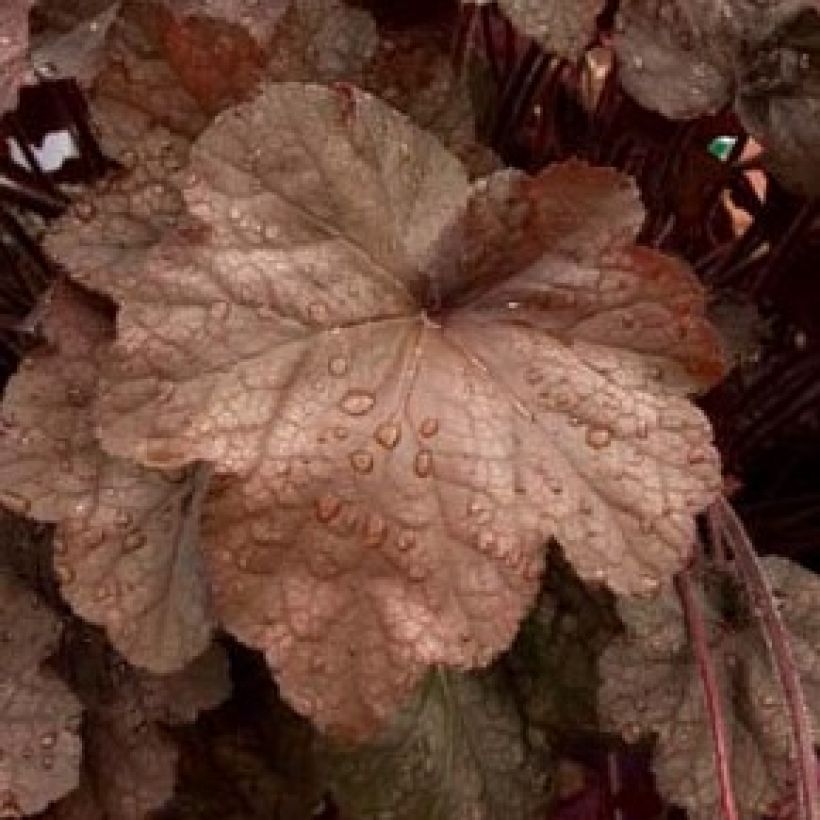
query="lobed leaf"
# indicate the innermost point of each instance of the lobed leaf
(417, 382)
(40, 744)
(127, 553)
(651, 686)
(129, 762)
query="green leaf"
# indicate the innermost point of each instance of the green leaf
(457, 752)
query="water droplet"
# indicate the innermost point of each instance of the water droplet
(375, 531)
(486, 540)
(362, 461)
(357, 402)
(48, 740)
(598, 437)
(64, 572)
(388, 435)
(637, 61)
(14, 501)
(429, 427)
(337, 366)
(650, 583)
(697, 455)
(632, 733)
(327, 508)
(423, 463)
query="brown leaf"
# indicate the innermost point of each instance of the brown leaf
(108, 231)
(416, 395)
(675, 56)
(39, 716)
(560, 27)
(412, 70)
(129, 760)
(127, 552)
(137, 89)
(13, 48)
(321, 41)
(259, 19)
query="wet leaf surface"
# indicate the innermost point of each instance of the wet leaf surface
(345, 279)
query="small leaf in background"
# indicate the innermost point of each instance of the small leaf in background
(456, 752)
(129, 761)
(674, 56)
(251, 757)
(688, 58)
(559, 27)
(71, 39)
(40, 741)
(651, 687)
(257, 18)
(778, 98)
(553, 662)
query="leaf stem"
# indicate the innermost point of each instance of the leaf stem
(711, 694)
(779, 644)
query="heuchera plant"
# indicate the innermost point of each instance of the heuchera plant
(367, 336)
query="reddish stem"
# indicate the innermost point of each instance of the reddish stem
(711, 693)
(777, 638)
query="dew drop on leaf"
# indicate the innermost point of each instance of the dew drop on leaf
(327, 508)
(429, 427)
(337, 366)
(598, 437)
(423, 463)
(362, 461)
(357, 402)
